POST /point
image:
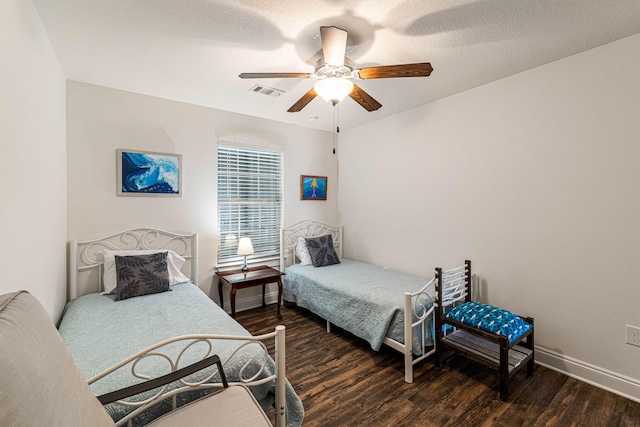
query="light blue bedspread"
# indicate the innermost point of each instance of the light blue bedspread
(101, 332)
(364, 299)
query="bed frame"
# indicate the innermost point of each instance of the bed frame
(412, 306)
(205, 344)
(86, 267)
(86, 263)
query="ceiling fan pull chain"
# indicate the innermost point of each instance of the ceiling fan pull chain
(336, 128)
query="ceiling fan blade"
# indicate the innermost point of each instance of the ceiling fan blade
(302, 102)
(334, 45)
(421, 69)
(274, 75)
(364, 99)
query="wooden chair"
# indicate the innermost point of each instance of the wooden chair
(463, 330)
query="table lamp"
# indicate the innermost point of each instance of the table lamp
(245, 248)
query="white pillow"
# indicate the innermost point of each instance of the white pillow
(174, 264)
(303, 252)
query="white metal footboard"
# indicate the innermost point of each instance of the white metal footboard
(207, 341)
(419, 306)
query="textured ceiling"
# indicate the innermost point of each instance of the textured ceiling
(193, 50)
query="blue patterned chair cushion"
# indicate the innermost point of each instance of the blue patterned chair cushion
(322, 251)
(490, 319)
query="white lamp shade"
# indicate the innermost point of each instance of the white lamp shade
(333, 89)
(244, 246)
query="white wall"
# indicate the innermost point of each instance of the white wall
(536, 179)
(100, 120)
(33, 193)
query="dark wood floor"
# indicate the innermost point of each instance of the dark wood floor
(343, 382)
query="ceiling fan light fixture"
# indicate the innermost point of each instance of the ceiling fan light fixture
(333, 71)
(333, 89)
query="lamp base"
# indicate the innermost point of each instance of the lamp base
(245, 268)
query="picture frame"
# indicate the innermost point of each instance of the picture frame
(313, 187)
(149, 173)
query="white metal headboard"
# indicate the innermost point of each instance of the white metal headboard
(86, 262)
(310, 228)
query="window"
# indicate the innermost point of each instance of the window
(249, 202)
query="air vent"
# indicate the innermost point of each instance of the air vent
(266, 90)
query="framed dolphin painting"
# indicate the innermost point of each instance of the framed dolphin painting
(146, 173)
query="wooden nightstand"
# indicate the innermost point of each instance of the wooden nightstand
(256, 276)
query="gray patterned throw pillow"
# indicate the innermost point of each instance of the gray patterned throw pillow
(322, 251)
(139, 275)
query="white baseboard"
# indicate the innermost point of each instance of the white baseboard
(602, 378)
(599, 377)
(250, 302)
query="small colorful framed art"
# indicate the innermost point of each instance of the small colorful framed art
(313, 187)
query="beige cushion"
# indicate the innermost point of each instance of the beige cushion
(40, 383)
(234, 406)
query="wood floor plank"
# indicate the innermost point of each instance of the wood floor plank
(343, 382)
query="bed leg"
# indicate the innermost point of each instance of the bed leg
(281, 397)
(328, 326)
(408, 338)
(408, 369)
(438, 359)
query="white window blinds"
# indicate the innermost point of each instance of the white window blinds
(249, 201)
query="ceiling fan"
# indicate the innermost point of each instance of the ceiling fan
(334, 70)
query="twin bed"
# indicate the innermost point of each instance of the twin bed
(379, 305)
(102, 334)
